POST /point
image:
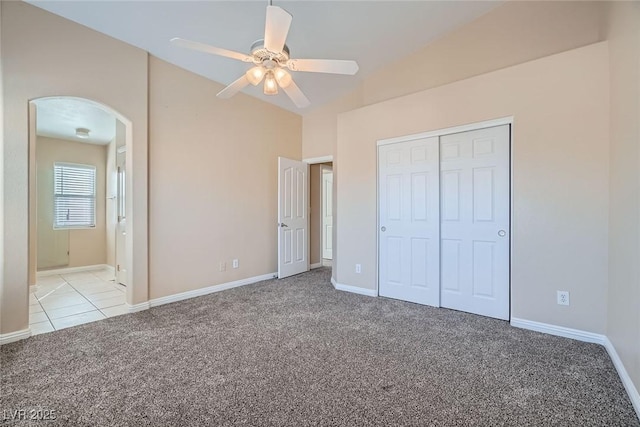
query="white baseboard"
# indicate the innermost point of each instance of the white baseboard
(354, 289)
(327, 262)
(209, 290)
(316, 265)
(579, 335)
(631, 389)
(138, 307)
(15, 336)
(560, 331)
(69, 270)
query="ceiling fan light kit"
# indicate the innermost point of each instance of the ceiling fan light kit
(255, 75)
(270, 84)
(270, 57)
(283, 78)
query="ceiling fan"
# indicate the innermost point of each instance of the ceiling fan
(271, 60)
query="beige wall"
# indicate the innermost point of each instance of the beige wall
(623, 328)
(319, 131)
(560, 177)
(214, 171)
(87, 246)
(106, 71)
(510, 34)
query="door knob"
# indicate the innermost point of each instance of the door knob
(383, 228)
(282, 224)
(502, 233)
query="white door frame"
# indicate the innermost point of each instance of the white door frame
(314, 161)
(120, 220)
(324, 170)
(441, 132)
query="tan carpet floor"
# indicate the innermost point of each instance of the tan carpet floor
(296, 352)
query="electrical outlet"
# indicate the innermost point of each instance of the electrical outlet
(563, 297)
(358, 268)
(236, 263)
(223, 265)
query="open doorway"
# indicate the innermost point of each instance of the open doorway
(321, 214)
(77, 250)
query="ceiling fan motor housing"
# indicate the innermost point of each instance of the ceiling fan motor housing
(261, 54)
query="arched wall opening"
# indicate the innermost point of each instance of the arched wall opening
(131, 260)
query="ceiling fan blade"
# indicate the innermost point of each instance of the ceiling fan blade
(177, 41)
(276, 28)
(332, 66)
(296, 95)
(233, 88)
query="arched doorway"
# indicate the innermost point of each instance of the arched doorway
(73, 122)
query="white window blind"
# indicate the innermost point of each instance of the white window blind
(74, 196)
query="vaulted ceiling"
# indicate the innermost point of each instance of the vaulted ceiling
(374, 33)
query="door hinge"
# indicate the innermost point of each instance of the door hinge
(118, 267)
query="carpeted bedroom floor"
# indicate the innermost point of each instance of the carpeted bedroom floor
(296, 352)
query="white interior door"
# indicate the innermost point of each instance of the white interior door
(327, 212)
(293, 219)
(474, 182)
(409, 240)
(121, 226)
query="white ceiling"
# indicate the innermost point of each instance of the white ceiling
(60, 117)
(370, 32)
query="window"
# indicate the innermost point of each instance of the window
(74, 196)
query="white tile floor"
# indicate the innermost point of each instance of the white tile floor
(61, 301)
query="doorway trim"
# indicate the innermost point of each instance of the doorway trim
(135, 263)
(446, 131)
(324, 170)
(508, 120)
(314, 161)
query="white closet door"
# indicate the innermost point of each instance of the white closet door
(409, 221)
(474, 214)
